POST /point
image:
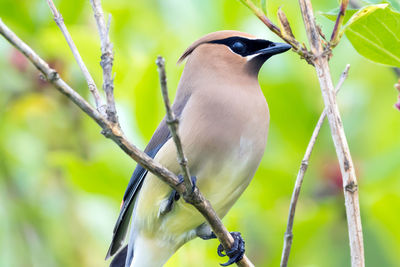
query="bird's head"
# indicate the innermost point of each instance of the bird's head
(232, 51)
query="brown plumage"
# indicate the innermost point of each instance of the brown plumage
(224, 123)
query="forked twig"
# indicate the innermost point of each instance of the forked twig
(318, 56)
(284, 33)
(109, 130)
(350, 186)
(91, 84)
(288, 237)
(114, 132)
(107, 58)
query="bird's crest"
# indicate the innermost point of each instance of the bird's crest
(212, 37)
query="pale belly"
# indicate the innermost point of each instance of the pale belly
(224, 147)
(221, 179)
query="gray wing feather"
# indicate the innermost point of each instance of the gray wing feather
(159, 138)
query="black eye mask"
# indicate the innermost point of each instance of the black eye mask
(243, 46)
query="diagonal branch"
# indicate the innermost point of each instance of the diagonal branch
(91, 84)
(113, 131)
(318, 57)
(283, 33)
(288, 237)
(109, 130)
(173, 124)
(338, 135)
(107, 58)
(192, 193)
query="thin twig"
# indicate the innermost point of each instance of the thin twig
(113, 131)
(288, 237)
(91, 84)
(173, 124)
(342, 78)
(335, 37)
(107, 58)
(319, 59)
(285, 25)
(296, 46)
(339, 138)
(108, 129)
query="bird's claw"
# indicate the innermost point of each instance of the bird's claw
(193, 178)
(168, 204)
(236, 253)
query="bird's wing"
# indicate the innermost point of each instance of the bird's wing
(159, 138)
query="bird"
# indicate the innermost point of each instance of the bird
(223, 124)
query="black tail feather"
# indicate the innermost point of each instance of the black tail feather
(121, 228)
(120, 257)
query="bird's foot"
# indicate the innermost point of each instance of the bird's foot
(236, 253)
(208, 237)
(193, 178)
(167, 205)
(204, 232)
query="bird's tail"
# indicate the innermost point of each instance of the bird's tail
(148, 252)
(120, 258)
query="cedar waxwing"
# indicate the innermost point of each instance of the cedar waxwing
(223, 126)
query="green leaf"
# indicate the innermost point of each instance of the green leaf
(332, 14)
(394, 3)
(364, 12)
(374, 31)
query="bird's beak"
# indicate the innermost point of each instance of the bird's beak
(273, 49)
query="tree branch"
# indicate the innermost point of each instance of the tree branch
(109, 130)
(285, 34)
(173, 124)
(318, 57)
(288, 237)
(335, 37)
(107, 58)
(338, 136)
(193, 195)
(91, 84)
(113, 131)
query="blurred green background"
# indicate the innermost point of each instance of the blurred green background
(61, 181)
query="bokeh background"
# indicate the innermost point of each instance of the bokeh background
(61, 181)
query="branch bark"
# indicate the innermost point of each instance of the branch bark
(173, 124)
(288, 38)
(91, 84)
(113, 131)
(192, 194)
(335, 37)
(288, 237)
(339, 138)
(319, 57)
(107, 59)
(109, 130)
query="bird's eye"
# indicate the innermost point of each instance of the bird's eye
(238, 47)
